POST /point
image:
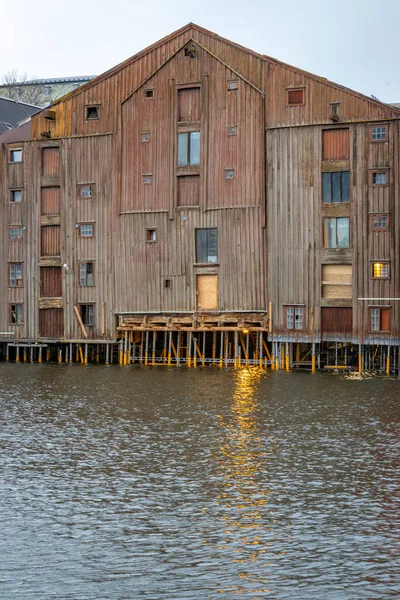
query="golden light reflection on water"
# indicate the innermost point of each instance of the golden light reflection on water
(243, 498)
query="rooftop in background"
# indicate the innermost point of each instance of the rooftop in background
(12, 113)
(42, 92)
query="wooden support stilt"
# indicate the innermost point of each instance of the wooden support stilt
(189, 349)
(287, 357)
(121, 352)
(226, 347)
(388, 361)
(24, 354)
(17, 354)
(125, 361)
(97, 353)
(81, 354)
(203, 351)
(70, 352)
(146, 349)
(297, 355)
(66, 359)
(260, 341)
(214, 345)
(7, 353)
(107, 354)
(76, 353)
(247, 348)
(169, 348)
(165, 353)
(153, 353)
(313, 359)
(86, 354)
(236, 363)
(178, 350)
(277, 354)
(141, 348)
(40, 354)
(194, 352)
(31, 354)
(360, 361)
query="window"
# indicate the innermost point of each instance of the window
(379, 319)
(149, 93)
(15, 195)
(336, 282)
(189, 149)
(86, 190)
(15, 156)
(294, 317)
(87, 314)
(379, 222)
(206, 245)
(336, 187)
(86, 230)
(147, 179)
(233, 85)
(335, 111)
(380, 270)
(336, 144)
(15, 233)
(86, 271)
(16, 314)
(145, 136)
(295, 97)
(167, 284)
(379, 133)
(232, 130)
(229, 173)
(15, 274)
(337, 232)
(151, 235)
(379, 177)
(189, 104)
(92, 112)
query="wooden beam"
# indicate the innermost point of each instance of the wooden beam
(78, 316)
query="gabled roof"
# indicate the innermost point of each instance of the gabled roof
(193, 26)
(12, 112)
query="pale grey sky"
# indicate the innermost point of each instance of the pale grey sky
(355, 42)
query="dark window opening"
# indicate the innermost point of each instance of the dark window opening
(16, 314)
(86, 273)
(87, 314)
(167, 283)
(15, 273)
(336, 187)
(229, 173)
(206, 245)
(92, 112)
(379, 178)
(295, 97)
(149, 93)
(151, 235)
(15, 195)
(233, 85)
(15, 155)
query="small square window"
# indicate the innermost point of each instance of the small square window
(379, 133)
(145, 136)
(232, 130)
(15, 233)
(16, 314)
(15, 195)
(380, 270)
(335, 111)
(16, 156)
(86, 190)
(149, 93)
(92, 112)
(295, 97)
(379, 178)
(167, 283)
(294, 317)
(151, 235)
(86, 230)
(379, 222)
(229, 173)
(233, 85)
(147, 179)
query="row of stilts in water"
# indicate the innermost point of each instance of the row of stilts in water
(222, 349)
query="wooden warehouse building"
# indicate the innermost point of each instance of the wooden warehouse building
(202, 202)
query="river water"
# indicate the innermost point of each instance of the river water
(122, 483)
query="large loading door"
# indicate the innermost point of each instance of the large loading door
(207, 292)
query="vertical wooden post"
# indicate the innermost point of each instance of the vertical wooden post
(247, 347)
(287, 357)
(226, 347)
(360, 365)
(7, 353)
(277, 355)
(236, 354)
(203, 353)
(313, 358)
(24, 354)
(194, 352)
(388, 361)
(31, 354)
(77, 353)
(169, 348)
(189, 349)
(146, 349)
(260, 339)
(141, 348)
(221, 350)
(86, 354)
(165, 352)
(126, 348)
(214, 345)
(153, 355)
(297, 355)
(178, 350)
(40, 354)
(107, 354)
(66, 354)
(70, 353)
(97, 353)
(17, 354)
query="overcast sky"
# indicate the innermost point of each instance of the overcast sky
(352, 42)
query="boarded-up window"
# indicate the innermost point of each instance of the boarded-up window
(207, 292)
(335, 144)
(51, 322)
(50, 201)
(336, 320)
(50, 162)
(188, 190)
(295, 97)
(50, 240)
(189, 104)
(336, 281)
(50, 282)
